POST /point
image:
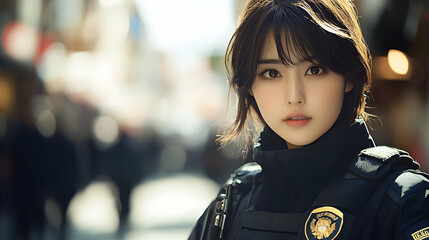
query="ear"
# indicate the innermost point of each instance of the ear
(348, 87)
(251, 92)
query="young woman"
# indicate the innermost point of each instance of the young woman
(300, 69)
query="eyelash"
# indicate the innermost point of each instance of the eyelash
(262, 74)
(323, 70)
(316, 66)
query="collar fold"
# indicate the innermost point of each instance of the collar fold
(303, 171)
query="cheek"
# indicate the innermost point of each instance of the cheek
(329, 97)
(267, 99)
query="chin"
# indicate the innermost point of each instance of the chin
(298, 143)
(301, 142)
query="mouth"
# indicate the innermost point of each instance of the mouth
(297, 119)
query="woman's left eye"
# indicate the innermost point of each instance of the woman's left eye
(270, 74)
(315, 70)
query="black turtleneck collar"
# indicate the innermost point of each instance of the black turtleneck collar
(294, 177)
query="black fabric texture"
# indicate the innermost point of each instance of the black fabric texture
(294, 177)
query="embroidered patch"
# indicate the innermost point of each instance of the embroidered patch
(421, 234)
(418, 231)
(323, 223)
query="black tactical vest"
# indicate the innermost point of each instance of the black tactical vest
(345, 209)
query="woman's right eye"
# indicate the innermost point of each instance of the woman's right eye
(270, 73)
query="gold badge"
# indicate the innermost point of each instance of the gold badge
(421, 234)
(323, 223)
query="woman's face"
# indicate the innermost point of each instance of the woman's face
(299, 102)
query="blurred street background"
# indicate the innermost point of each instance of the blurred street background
(109, 110)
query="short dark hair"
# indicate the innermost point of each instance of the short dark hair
(327, 31)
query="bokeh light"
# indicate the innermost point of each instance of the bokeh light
(94, 210)
(110, 3)
(7, 94)
(53, 212)
(106, 130)
(3, 125)
(46, 123)
(19, 41)
(398, 62)
(51, 66)
(187, 26)
(173, 203)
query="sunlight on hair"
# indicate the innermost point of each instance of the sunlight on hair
(398, 62)
(93, 210)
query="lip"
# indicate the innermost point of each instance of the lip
(297, 119)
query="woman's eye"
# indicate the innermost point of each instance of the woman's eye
(271, 74)
(315, 70)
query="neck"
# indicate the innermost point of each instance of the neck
(292, 146)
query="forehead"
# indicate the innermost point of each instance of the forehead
(270, 49)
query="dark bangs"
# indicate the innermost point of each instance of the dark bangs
(295, 34)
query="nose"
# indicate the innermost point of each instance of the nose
(296, 94)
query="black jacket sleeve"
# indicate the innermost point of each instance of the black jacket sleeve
(404, 212)
(201, 228)
(240, 182)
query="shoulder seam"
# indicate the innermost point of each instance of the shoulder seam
(245, 172)
(405, 189)
(376, 162)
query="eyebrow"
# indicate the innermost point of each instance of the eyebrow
(278, 61)
(269, 61)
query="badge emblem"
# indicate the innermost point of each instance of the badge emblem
(421, 234)
(323, 223)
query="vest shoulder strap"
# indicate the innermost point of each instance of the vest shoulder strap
(245, 175)
(376, 162)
